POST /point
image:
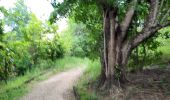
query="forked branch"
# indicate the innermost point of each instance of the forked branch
(150, 27)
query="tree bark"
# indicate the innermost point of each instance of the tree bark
(115, 53)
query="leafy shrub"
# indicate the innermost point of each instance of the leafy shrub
(6, 62)
(22, 58)
(48, 50)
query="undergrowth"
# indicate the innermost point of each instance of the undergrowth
(90, 75)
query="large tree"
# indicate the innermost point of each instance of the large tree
(119, 17)
(18, 17)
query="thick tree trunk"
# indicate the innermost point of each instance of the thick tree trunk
(117, 47)
(115, 52)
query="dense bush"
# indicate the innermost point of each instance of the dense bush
(22, 56)
(22, 48)
(26, 44)
(49, 50)
(6, 62)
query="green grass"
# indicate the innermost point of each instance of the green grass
(165, 49)
(90, 75)
(69, 62)
(17, 87)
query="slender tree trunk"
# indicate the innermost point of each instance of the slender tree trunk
(144, 57)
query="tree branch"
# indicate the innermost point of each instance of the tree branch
(142, 36)
(128, 18)
(150, 25)
(153, 12)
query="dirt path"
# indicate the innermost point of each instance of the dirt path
(58, 87)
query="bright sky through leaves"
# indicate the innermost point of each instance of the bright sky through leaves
(41, 8)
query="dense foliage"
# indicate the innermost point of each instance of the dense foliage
(25, 42)
(84, 13)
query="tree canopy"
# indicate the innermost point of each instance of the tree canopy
(122, 24)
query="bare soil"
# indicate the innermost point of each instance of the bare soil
(58, 87)
(153, 84)
(149, 84)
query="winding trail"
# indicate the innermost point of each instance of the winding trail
(58, 87)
